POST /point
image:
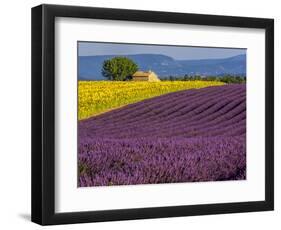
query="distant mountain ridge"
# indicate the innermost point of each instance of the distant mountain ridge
(164, 66)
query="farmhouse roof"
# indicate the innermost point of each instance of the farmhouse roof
(141, 74)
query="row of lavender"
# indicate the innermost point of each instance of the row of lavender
(192, 135)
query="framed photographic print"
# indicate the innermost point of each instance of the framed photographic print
(142, 114)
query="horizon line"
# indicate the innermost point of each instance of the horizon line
(123, 55)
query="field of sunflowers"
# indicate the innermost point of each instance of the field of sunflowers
(96, 97)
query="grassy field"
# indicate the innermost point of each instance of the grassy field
(95, 97)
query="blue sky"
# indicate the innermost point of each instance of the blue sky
(176, 52)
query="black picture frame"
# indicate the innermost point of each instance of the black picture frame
(43, 110)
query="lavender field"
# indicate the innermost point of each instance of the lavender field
(187, 136)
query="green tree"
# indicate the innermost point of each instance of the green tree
(118, 68)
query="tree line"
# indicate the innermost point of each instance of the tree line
(225, 78)
(122, 69)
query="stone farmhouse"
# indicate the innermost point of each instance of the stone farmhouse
(145, 76)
